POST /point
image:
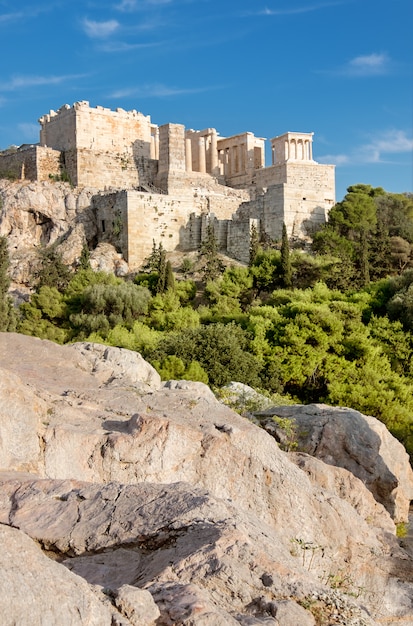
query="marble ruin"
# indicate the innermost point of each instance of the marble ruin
(167, 183)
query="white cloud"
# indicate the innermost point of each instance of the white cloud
(126, 5)
(29, 131)
(368, 65)
(296, 10)
(375, 151)
(334, 159)
(98, 30)
(390, 142)
(120, 46)
(156, 91)
(9, 17)
(22, 82)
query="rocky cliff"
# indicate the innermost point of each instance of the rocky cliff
(36, 214)
(125, 500)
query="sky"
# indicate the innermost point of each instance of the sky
(342, 69)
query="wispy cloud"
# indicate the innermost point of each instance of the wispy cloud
(99, 30)
(22, 82)
(28, 130)
(334, 159)
(296, 10)
(157, 91)
(377, 150)
(128, 6)
(390, 142)
(120, 46)
(10, 17)
(367, 65)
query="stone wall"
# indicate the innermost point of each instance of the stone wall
(30, 163)
(106, 170)
(239, 238)
(98, 129)
(132, 220)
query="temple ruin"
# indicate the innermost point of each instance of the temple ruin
(167, 183)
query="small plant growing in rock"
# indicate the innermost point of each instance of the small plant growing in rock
(307, 549)
(288, 440)
(402, 528)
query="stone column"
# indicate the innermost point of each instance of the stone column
(157, 144)
(202, 155)
(188, 154)
(214, 153)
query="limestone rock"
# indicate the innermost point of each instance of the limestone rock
(346, 486)
(36, 590)
(163, 484)
(359, 443)
(202, 559)
(138, 606)
(105, 258)
(115, 366)
(35, 214)
(20, 416)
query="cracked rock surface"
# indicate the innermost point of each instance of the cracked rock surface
(164, 507)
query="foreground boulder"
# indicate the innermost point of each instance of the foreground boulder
(135, 485)
(36, 590)
(357, 442)
(202, 559)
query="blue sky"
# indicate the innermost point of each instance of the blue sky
(342, 69)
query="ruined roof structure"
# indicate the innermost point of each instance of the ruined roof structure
(167, 183)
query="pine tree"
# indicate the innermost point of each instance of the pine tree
(364, 259)
(53, 272)
(286, 270)
(7, 314)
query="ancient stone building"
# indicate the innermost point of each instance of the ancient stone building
(167, 183)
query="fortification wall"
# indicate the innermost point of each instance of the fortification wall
(272, 175)
(105, 170)
(312, 176)
(58, 129)
(239, 238)
(98, 129)
(131, 220)
(30, 163)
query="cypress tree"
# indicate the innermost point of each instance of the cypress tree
(209, 250)
(84, 261)
(286, 270)
(254, 244)
(160, 287)
(170, 278)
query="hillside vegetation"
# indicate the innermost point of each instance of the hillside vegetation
(332, 324)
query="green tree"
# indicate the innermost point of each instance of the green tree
(7, 313)
(213, 265)
(52, 272)
(84, 260)
(103, 307)
(221, 350)
(169, 278)
(161, 284)
(348, 234)
(286, 270)
(254, 244)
